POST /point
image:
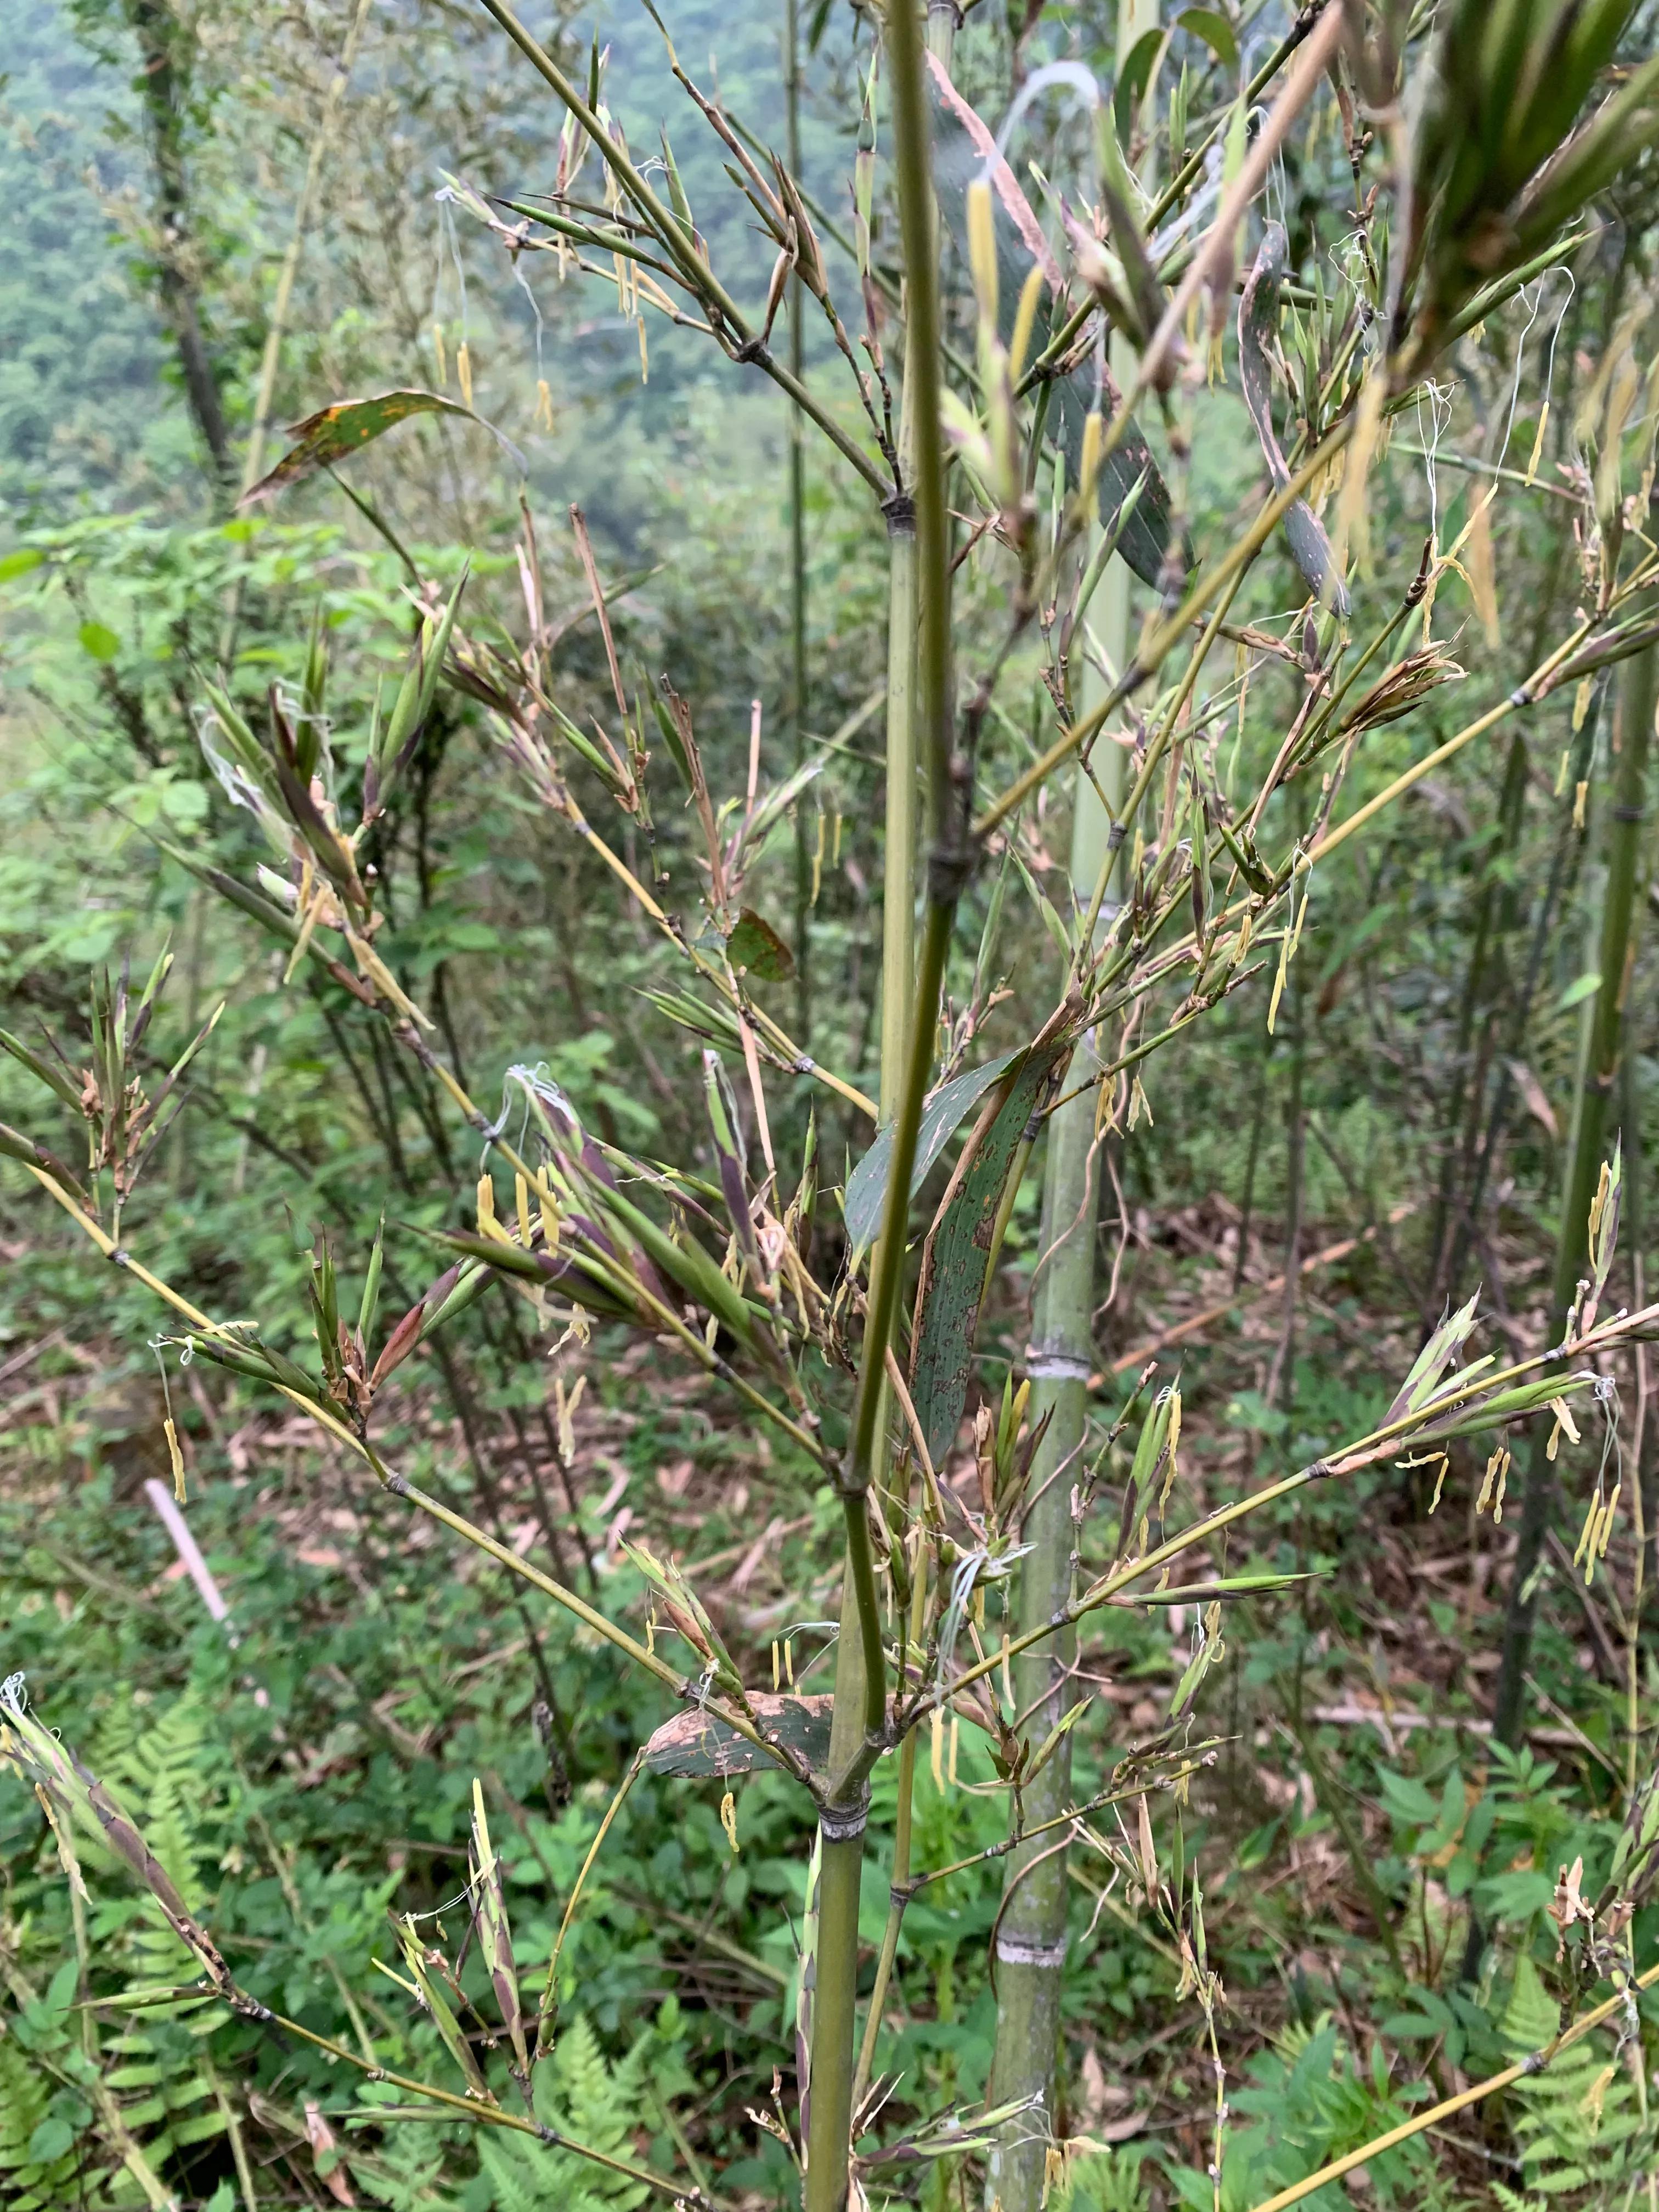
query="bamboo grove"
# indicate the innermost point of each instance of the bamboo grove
(1051, 437)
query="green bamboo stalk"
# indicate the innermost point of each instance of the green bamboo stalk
(1031, 1937)
(797, 550)
(856, 1739)
(898, 925)
(898, 910)
(1598, 1074)
(901, 1888)
(1031, 1934)
(898, 919)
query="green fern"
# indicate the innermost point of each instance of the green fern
(1106, 2181)
(155, 1765)
(29, 2182)
(1579, 2130)
(589, 2100)
(400, 2175)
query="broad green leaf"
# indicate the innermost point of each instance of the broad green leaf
(99, 640)
(1216, 32)
(953, 1262)
(333, 432)
(695, 1743)
(866, 1187)
(50, 2140)
(20, 562)
(1132, 80)
(1581, 987)
(754, 944)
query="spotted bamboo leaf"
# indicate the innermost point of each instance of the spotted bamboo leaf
(335, 432)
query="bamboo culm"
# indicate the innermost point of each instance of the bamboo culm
(1598, 1077)
(798, 558)
(861, 1695)
(1031, 1935)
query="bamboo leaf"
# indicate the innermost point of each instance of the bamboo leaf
(334, 432)
(756, 946)
(42, 1070)
(953, 1259)
(1216, 32)
(35, 1751)
(729, 1153)
(1224, 1587)
(695, 1745)
(1258, 324)
(495, 1934)
(866, 1187)
(442, 2015)
(1444, 1346)
(14, 1145)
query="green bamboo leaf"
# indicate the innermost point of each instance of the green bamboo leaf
(442, 2015)
(14, 1145)
(756, 946)
(695, 1745)
(715, 1025)
(42, 1070)
(778, 800)
(70, 1787)
(1224, 1587)
(1051, 1743)
(1144, 1469)
(334, 432)
(254, 904)
(1444, 1346)
(1045, 907)
(671, 737)
(494, 1932)
(1502, 1407)
(685, 1610)
(371, 1300)
(686, 1264)
(1133, 78)
(950, 2134)
(1210, 1653)
(1216, 32)
(953, 1258)
(728, 1153)
(866, 1187)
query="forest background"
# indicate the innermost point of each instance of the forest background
(1411, 1759)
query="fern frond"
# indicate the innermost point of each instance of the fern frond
(28, 2181)
(1579, 2130)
